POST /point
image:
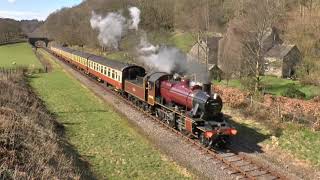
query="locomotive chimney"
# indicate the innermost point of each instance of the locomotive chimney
(206, 87)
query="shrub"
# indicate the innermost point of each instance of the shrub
(32, 145)
(292, 92)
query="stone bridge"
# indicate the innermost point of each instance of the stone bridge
(33, 40)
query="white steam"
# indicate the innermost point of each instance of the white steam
(171, 60)
(113, 27)
(135, 16)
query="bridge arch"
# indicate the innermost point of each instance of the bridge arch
(33, 40)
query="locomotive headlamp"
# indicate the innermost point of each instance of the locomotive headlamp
(209, 134)
(233, 131)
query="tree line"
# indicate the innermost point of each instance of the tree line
(296, 20)
(12, 30)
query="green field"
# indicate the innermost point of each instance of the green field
(276, 86)
(18, 55)
(103, 137)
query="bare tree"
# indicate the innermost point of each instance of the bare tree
(259, 18)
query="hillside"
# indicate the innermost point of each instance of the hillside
(32, 145)
(162, 20)
(12, 30)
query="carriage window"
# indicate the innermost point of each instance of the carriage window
(101, 69)
(109, 72)
(105, 71)
(112, 74)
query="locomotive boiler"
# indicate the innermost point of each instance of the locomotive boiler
(194, 98)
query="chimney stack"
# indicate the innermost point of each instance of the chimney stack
(206, 87)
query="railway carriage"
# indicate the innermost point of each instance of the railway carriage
(67, 54)
(80, 59)
(112, 72)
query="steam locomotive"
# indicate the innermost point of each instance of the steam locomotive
(185, 106)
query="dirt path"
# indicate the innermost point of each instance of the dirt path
(45, 63)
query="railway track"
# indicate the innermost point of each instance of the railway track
(236, 165)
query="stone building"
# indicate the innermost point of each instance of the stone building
(226, 53)
(282, 60)
(198, 51)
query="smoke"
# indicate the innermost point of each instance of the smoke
(135, 16)
(171, 60)
(113, 27)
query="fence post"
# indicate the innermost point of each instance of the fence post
(279, 110)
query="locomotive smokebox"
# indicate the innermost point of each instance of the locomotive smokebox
(206, 87)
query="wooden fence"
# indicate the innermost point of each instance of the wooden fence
(6, 72)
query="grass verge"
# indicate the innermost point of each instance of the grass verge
(32, 145)
(292, 138)
(19, 54)
(104, 138)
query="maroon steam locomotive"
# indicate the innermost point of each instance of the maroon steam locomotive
(189, 108)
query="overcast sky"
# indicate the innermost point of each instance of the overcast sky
(32, 9)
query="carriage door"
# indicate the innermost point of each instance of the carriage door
(151, 92)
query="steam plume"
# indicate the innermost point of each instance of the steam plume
(171, 60)
(114, 26)
(135, 16)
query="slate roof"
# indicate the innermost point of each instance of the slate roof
(279, 51)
